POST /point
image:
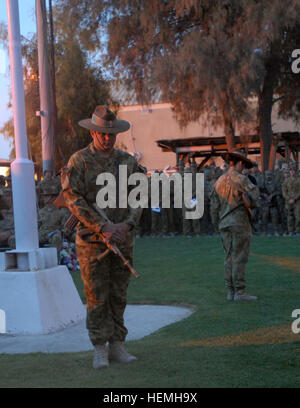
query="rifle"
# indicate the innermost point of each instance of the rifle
(72, 221)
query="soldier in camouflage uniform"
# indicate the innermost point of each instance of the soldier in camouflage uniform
(3, 203)
(2, 182)
(230, 215)
(44, 184)
(190, 227)
(257, 211)
(51, 220)
(269, 193)
(144, 226)
(7, 227)
(279, 179)
(209, 181)
(156, 213)
(168, 226)
(105, 278)
(291, 194)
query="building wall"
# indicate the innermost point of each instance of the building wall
(149, 124)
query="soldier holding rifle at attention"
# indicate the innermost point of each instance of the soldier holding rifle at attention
(232, 198)
(104, 275)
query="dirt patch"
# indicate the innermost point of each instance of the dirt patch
(265, 335)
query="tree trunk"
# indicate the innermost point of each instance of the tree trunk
(228, 128)
(265, 105)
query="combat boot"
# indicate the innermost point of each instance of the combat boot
(100, 357)
(243, 296)
(230, 294)
(117, 352)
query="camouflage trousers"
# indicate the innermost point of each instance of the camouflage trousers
(105, 285)
(189, 226)
(236, 244)
(267, 213)
(206, 223)
(156, 223)
(144, 225)
(167, 219)
(293, 217)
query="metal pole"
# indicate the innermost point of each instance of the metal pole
(44, 86)
(22, 169)
(52, 79)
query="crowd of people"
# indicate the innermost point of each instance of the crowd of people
(51, 220)
(278, 211)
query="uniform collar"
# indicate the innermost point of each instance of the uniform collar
(95, 151)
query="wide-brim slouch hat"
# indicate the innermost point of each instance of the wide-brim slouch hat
(104, 121)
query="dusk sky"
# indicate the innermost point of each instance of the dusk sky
(28, 25)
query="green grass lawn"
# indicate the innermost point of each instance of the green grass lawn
(222, 344)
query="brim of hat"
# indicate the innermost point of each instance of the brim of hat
(119, 126)
(227, 156)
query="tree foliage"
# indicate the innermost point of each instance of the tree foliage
(207, 54)
(80, 86)
(206, 57)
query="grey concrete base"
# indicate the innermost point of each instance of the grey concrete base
(140, 320)
(39, 302)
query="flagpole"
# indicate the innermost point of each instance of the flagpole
(22, 169)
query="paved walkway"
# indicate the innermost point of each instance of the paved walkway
(140, 320)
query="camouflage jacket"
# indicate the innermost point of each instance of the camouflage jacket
(291, 189)
(259, 179)
(3, 203)
(7, 223)
(227, 207)
(44, 184)
(51, 219)
(80, 190)
(270, 188)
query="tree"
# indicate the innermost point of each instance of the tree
(80, 86)
(203, 54)
(274, 28)
(191, 51)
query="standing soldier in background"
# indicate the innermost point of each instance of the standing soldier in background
(190, 227)
(44, 184)
(51, 220)
(258, 175)
(269, 193)
(279, 178)
(2, 182)
(7, 227)
(257, 211)
(291, 194)
(168, 226)
(156, 213)
(232, 196)
(209, 181)
(104, 275)
(3, 204)
(144, 226)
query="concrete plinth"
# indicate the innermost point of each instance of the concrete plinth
(39, 302)
(24, 260)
